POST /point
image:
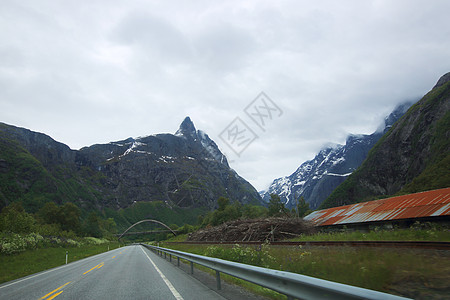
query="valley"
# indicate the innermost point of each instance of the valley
(57, 199)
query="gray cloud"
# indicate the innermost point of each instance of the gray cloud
(107, 70)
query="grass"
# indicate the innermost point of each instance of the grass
(33, 261)
(418, 232)
(257, 289)
(420, 274)
(409, 234)
(178, 238)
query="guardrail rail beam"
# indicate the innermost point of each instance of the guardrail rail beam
(294, 286)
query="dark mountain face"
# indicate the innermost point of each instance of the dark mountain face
(317, 178)
(413, 156)
(49, 152)
(186, 169)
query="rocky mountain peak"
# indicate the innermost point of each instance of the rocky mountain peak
(183, 170)
(412, 156)
(187, 129)
(443, 80)
(315, 179)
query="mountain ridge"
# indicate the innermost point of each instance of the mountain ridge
(315, 179)
(184, 169)
(413, 156)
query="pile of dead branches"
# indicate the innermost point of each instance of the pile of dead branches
(270, 229)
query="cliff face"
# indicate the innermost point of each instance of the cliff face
(413, 156)
(316, 179)
(183, 170)
(35, 169)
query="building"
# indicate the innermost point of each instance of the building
(430, 206)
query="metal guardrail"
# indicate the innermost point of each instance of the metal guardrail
(294, 286)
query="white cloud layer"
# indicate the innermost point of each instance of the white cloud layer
(100, 71)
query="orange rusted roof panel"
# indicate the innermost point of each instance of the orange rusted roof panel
(425, 204)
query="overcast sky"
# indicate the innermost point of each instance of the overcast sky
(87, 72)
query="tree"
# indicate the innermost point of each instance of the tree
(230, 212)
(223, 203)
(70, 217)
(302, 207)
(67, 217)
(49, 214)
(92, 225)
(253, 211)
(13, 218)
(276, 207)
(225, 212)
(109, 226)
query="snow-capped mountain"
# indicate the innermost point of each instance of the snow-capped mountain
(315, 179)
(183, 170)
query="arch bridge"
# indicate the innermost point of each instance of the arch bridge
(144, 221)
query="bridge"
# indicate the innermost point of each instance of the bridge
(146, 232)
(168, 229)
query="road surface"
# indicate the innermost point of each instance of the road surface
(131, 272)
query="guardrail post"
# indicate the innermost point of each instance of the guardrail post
(170, 257)
(165, 254)
(293, 286)
(219, 287)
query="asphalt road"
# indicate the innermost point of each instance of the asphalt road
(131, 272)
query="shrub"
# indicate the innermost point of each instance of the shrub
(14, 219)
(95, 241)
(11, 243)
(258, 257)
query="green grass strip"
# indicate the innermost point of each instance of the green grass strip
(406, 272)
(34, 261)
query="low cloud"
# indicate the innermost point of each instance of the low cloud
(108, 70)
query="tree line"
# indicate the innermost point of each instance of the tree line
(54, 220)
(228, 211)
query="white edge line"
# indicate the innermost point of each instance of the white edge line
(166, 281)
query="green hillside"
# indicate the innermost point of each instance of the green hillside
(23, 178)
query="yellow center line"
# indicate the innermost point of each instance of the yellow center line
(97, 266)
(55, 291)
(55, 295)
(114, 256)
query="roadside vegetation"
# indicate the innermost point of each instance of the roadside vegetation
(156, 210)
(228, 211)
(411, 273)
(51, 226)
(232, 215)
(30, 243)
(417, 232)
(36, 260)
(418, 274)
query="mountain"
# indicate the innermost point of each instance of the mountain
(185, 170)
(317, 178)
(413, 156)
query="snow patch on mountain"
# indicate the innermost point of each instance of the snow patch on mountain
(317, 178)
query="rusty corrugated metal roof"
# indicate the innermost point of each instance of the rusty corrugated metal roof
(424, 204)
